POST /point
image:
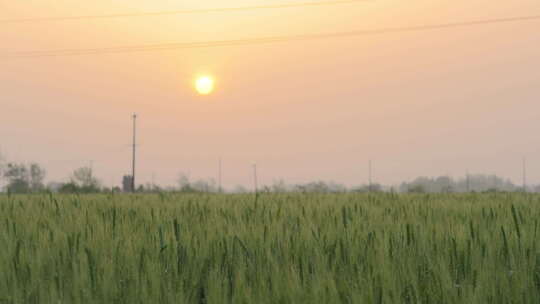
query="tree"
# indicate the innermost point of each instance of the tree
(69, 188)
(37, 176)
(320, 187)
(24, 179)
(84, 179)
(17, 178)
(151, 187)
(279, 186)
(184, 184)
(240, 189)
(54, 186)
(416, 189)
(368, 188)
(444, 184)
(2, 168)
(201, 185)
(205, 186)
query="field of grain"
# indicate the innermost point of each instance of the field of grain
(278, 248)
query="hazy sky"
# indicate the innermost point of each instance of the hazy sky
(418, 103)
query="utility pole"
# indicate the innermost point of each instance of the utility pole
(369, 176)
(255, 182)
(91, 167)
(524, 174)
(220, 189)
(134, 152)
(468, 179)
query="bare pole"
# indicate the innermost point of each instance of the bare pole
(468, 179)
(255, 181)
(220, 189)
(134, 152)
(524, 174)
(369, 176)
(91, 167)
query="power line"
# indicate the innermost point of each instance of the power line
(263, 40)
(178, 12)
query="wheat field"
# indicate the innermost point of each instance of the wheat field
(273, 248)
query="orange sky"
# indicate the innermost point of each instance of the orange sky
(422, 103)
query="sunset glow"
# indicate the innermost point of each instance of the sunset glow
(263, 151)
(204, 85)
(288, 87)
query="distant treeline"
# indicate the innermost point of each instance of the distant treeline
(470, 183)
(30, 178)
(23, 178)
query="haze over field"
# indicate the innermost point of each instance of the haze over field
(417, 103)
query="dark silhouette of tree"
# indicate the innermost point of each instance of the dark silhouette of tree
(37, 177)
(84, 181)
(24, 179)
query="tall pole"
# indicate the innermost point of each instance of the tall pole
(91, 167)
(369, 176)
(255, 182)
(524, 174)
(220, 189)
(134, 150)
(468, 182)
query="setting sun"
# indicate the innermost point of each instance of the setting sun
(204, 85)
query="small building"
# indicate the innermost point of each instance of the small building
(127, 183)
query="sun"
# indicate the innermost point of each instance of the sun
(204, 85)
